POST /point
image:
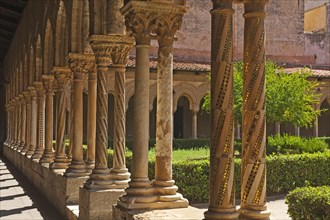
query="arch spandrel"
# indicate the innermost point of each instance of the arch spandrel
(48, 48)
(61, 36)
(189, 91)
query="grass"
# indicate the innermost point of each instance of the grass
(184, 155)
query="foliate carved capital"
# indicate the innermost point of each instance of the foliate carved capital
(21, 98)
(120, 52)
(63, 77)
(33, 92)
(27, 95)
(102, 50)
(49, 83)
(92, 76)
(81, 63)
(141, 17)
(39, 88)
(165, 28)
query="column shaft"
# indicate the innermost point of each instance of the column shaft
(253, 181)
(33, 122)
(28, 123)
(18, 123)
(23, 127)
(91, 122)
(222, 190)
(194, 124)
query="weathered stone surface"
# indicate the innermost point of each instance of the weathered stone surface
(97, 204)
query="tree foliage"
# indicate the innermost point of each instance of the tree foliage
(289, 97)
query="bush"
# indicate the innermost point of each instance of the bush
(294, 145)
(309, 203)
(284, 173)
(326, 139)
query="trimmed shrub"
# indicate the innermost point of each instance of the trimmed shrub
(284, 173)
(326, 139)
(309, 203)
(294, 145)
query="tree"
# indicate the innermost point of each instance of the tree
(290, 97)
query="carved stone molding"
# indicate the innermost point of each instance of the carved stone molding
(63, 77)
(32, 92)
(49, 83)
(39, 88)
(81, 63)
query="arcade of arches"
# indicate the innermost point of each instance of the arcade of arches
(68, 56)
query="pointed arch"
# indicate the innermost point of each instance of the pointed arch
(26, 72)
(38, 57)
(61, 36)
(48, 48)
(76, 26)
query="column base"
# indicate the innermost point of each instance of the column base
(102, 179)
(222, 214)
(37, 154)
(59, 163)
(97, 204)
(90, 164)
(30, 152)
(254, 213)
(47, 157)
(76, 169)
(21, 146)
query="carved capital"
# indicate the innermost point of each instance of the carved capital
(21, 98)
(92, 76)
(120, 52)
(33, 92)
(81, 64)
(27, 95)
(49, 83)
(39, 88)
(63, 77)
(254, 8)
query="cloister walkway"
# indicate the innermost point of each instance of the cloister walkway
(19, 199)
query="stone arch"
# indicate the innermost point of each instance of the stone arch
(129, 92)
(48, 48)
(86, 47)
(203, 90)
(31, 65)
(75, 26)
(61, 39)
(38, 57)
(187, 90)
(26, 72)
(152, 95)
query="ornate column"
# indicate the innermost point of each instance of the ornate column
(63, 77)
(121, 46)
(100, 177)
(18, 122)
(23, 122)
(166, 24)
(28, 122)
(91, 121)
(139, 23)
(253, 181)
(33, 121)
(79, 64)
(222, 189)
(40, 118)
(48, 155)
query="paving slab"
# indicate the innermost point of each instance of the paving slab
(18, 198)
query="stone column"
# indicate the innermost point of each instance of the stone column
(48, 155)
(100, 177)
(41, 120)
(79, 64)
(7, 122)
(18, 122)
(28, 122)
(194, 124)
(91, 121)
(166, 25)
(63, 77)
(222, 189)
(253, 181)
(121, 46)
(140, 23)
(33, 121)
(316, 123)
(23, 122)
(297, 131)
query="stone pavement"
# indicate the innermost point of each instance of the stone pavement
(18, 198)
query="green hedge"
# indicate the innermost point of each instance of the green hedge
(309, 203)
(287, 144)
(284, 173)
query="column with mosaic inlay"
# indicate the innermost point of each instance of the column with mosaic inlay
(253, 179)
(33, 121)
(222, 189)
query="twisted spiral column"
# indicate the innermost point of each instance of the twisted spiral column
(48, 155)
(41, 118)
(62, 76)
(33, 122)
(28, 122)
(23, 125)
(253, 182)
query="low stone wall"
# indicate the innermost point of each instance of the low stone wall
(57, 188)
